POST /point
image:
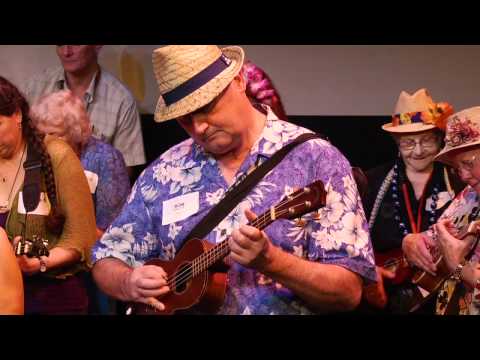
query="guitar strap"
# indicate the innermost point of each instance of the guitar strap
(33, 174)
(238, 192)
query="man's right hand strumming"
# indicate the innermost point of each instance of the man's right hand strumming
(145, 284)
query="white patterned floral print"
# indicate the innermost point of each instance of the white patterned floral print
(173, 231)
(132, 194)
(335, 234)
(214, 197)
(178, 152)
(118, 242)
(333, 210)
(149, 193)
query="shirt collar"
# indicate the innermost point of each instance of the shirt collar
(61, 84)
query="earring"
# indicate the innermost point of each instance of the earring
(19, 125)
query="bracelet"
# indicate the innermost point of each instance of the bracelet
(457, 273)
(43, 265)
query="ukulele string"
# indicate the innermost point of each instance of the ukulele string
(186, 273)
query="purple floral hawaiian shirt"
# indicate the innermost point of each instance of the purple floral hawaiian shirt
(336, 234)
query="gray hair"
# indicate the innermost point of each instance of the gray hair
(63, 114)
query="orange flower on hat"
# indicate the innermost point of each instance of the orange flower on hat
(440, 114)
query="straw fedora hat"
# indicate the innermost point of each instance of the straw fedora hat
(191, 76)
(463, 130)
(418, 112)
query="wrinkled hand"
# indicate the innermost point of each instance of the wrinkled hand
(249, 245)
(145, 283)
(375, 293)
(453, 249)
(415, 247)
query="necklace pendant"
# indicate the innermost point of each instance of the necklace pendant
(3, 207)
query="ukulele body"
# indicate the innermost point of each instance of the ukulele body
(206, 291)
(394, 260)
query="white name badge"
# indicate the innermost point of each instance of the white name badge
(43, 207)
(443, 198)
(92, 179)
(180, 208)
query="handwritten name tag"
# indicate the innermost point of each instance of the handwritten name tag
(92, 179)
(180, 208)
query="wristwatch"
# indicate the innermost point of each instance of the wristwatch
(457, 273)
(43, 265)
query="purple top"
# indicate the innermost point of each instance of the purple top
(3, 219)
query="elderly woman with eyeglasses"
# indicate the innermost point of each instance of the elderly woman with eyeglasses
(460, 294)
(406, 197)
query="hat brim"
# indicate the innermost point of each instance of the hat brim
(444, 156)
(206, 93)
(408, 128)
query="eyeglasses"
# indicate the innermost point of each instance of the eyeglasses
(426, 142)
(466, 165)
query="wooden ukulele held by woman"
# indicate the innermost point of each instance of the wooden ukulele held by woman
(197, 276)
(429, 284)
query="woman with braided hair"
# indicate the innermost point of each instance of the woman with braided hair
(409, 195)
(63, 218)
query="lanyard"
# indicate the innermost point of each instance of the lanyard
(415, 226)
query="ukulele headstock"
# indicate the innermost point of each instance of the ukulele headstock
(34, 247)
(302, 201)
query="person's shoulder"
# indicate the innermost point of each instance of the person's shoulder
(50, 74)
(101, 149)
(58, 149)
(175, 154)
(121, 89)
(296, 131)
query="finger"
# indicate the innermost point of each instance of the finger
(250, 232)
(240, 240)
(16, 240)
(238, 259)
(250, 215)
(155, 303)
(236, 248)
(152, 272)
(150, 284)
(386, 273)
(142, 293)
(423, 253)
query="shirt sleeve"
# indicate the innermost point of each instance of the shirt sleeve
(130, 238)
(340, 233)
(75, 201)
(128, 137)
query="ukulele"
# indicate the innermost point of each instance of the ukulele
(429, 284)
(196, 276)
(395, 261)
(36, 247)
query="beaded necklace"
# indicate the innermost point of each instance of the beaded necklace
(414, 226)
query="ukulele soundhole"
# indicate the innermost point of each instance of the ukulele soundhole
(183, 277)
